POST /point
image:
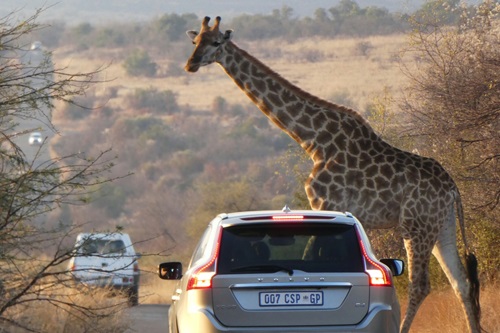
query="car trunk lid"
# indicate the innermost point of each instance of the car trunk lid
(279, 299)
(288, 273)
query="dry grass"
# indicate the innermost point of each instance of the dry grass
(324, 68)
(90, 311)
(442, 313)
(341, 69)
(153, 290)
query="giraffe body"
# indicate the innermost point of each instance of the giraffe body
(355, 170)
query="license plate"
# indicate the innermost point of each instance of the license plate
(291, 298)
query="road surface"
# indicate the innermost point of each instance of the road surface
(150, 318)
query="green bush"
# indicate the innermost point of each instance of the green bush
(139, 63)
(153, 100)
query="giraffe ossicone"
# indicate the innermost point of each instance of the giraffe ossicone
(355, 170)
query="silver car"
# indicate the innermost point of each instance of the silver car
(284, 271)
(35, 139)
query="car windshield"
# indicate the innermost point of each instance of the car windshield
(102, 246)
(286, 247)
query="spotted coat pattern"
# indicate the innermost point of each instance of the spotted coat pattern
(355, 170)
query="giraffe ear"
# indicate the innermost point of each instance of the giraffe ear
(228, 35)
(192, 34)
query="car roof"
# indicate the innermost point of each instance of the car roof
(266, 216)
(104, 236)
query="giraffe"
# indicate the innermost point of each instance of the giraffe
(355, 170)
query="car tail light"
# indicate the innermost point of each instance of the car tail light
(378, 273)
(201, 278)
(288, 217)
(136, 266)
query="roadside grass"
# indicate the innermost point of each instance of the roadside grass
(71, 310)
(441, 312)
(152, 289)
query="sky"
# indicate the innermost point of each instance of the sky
(95, 11)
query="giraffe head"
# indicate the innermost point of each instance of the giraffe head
(208, 44)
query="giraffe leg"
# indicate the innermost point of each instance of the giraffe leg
(446, 253)
(420, 286)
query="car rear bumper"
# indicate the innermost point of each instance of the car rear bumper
(379, 319)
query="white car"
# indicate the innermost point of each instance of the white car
(35, 138)
(107, 260)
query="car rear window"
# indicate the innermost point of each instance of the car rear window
(102, 246)
(310, 247)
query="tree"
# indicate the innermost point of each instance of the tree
(444, 11)
(33, 249)
(171, 26)
(223, 197)
(453, 106)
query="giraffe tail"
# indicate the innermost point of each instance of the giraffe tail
(470, 265)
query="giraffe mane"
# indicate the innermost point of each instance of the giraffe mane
(284, 82)
(304, 94)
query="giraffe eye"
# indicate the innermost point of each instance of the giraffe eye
(216, 43)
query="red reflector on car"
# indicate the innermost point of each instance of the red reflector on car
(378, 274)
(201, 278)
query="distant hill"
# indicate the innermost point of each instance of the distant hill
(95, 11)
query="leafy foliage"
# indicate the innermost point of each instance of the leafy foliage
(139, 63)
(453, 106)
(453, 101)
(227, 196)
(153, 100)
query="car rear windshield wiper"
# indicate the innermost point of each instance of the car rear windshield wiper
(263, 269)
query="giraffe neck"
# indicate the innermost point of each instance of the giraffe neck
(305, 118)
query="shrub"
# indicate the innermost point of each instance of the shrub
(138, 63)
(79, 108)
(362, 48)
(153, 100)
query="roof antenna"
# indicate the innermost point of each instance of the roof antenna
(286, 209)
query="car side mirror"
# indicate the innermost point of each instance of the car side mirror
(396, 266)
(170, 270)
